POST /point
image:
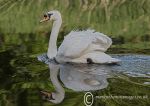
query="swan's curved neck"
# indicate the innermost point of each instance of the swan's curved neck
(52, 47)
(58, 87)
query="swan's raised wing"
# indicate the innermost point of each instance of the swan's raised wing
(76, 43)
(101, 41)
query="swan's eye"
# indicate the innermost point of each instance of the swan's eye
(49, 15)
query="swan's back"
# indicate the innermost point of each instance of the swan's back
(77, 43)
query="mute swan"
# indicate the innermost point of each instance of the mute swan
(78, 46)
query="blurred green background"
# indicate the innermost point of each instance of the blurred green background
(126, 21)
(22, 38)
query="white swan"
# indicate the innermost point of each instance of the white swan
(78, 46)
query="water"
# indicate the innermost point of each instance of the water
(86, 77)
(131, 64)
(134, 65)
(22, 76)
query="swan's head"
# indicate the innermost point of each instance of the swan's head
(51, 15)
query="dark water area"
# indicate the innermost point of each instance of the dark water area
(22, 76)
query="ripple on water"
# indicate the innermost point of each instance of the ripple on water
(134, 65)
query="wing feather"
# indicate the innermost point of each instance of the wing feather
(76, 42)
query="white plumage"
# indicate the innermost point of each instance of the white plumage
(78, 46)
(77, 43)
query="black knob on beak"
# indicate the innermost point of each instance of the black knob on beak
(45, 15)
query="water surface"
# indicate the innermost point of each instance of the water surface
(22, 76)
(86, 77)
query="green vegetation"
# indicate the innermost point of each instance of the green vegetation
(125, 19)
(113, 17)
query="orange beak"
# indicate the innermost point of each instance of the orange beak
(45, 19)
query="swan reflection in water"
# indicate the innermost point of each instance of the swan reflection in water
(84, 77)
(78, 77)
(87, 77)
